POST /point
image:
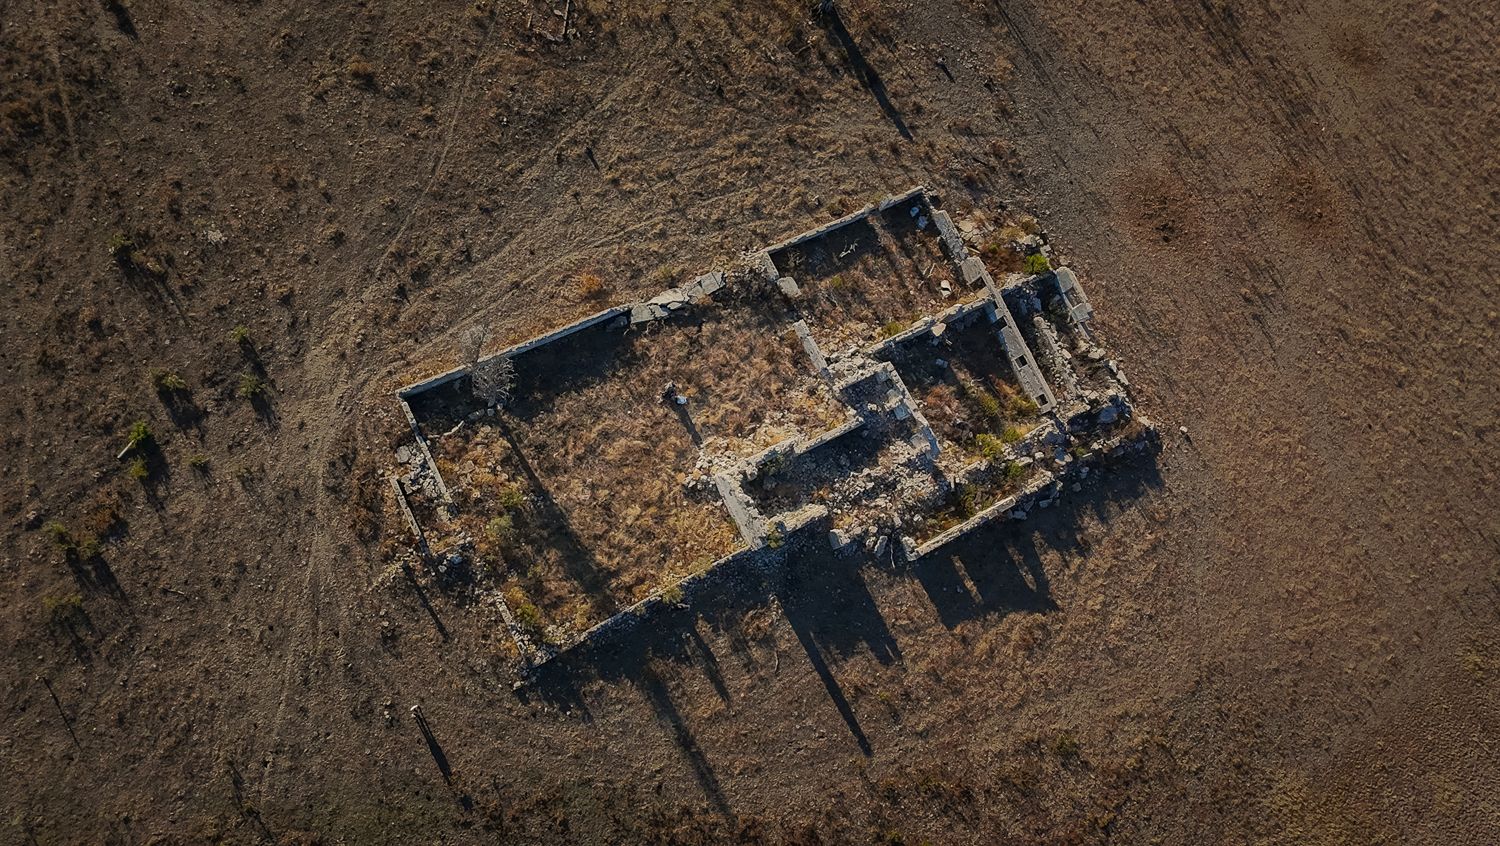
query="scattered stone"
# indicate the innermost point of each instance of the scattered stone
(788, 286)
(881, 544)
(34, 518)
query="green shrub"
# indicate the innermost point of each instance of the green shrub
(1012, 434)
(59, 534)
(198, 461)
(989, 446)
(251, 386)
(1066, 747)
(1037, 263)
(672, 595)
(60, 608)
(511, 497)
(137, 469)
(240, 335)
(1014, 470)
(892, 329)
(529, 616)
(166, 381)
(501, 530)
(989, 404)
(1020, 406)
(966, 500)
(139, 436)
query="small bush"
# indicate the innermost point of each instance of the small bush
(989, 446)
(1066, 747)
(1020, 406)
(1037, 263)
(1012, 434)
(166, 381)
(838, 283)
(591, 286)
(60, 608)
(139, 436)
(892, 329)
(198, 461)
(240, 335)
(59, 534)
(251, 386)
(1014, 470)
(672, 595)
(137, 469)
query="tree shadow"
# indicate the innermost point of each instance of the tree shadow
(578, 561)
(997, 568)
(833, 21)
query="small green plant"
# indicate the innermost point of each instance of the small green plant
(529, 617)
(138, 437)
(838, 283)
(198, 461)
(166, 381)
(1037, 263)
(892, 329)
(501, 530)
(251, 386)
(774, 538)
(672, 595)
(989, 446)
(1066, 747)
(511, 497)
(240, 335)
(121, 246)
(1012, 434)
(1014, 470)
(137, 469)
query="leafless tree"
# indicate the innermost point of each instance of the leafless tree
(492, 378)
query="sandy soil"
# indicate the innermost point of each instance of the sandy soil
(1280, 631)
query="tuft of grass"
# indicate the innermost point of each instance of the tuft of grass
(591, 286)
(1014, 470)
(1066, 747)
(251, 386)
(892, 329)
(672, 595)
(1037, 263)
(240, 335)
(361, 71)
(198, 461)
(1012, 434)
(137, 469)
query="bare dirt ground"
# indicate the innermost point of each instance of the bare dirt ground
(1283, 630)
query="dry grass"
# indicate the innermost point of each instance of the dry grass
(866, 281)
